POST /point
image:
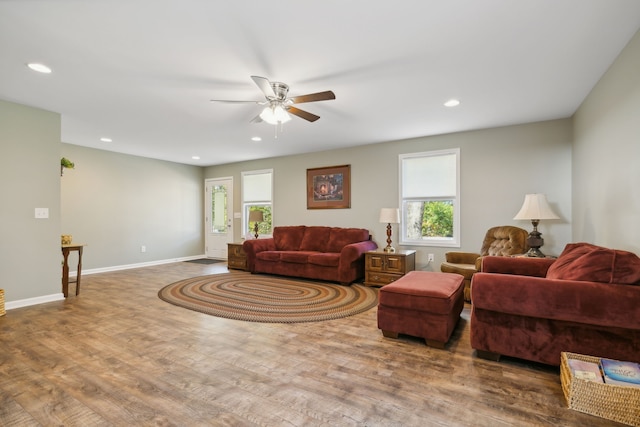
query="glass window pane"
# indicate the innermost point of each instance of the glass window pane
(428, 219)
(264, 227)
(219, 209)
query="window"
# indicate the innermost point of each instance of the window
(429, 192)
(257, 195)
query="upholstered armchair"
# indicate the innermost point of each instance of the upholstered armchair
(499, 241)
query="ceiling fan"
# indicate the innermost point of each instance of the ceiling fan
(278, 106)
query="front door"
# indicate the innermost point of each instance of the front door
(218, 216)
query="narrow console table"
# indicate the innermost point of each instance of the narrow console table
(66, 249)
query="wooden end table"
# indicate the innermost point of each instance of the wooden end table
(382, 268)
(236, 258)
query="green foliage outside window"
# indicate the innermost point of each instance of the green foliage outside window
(437, 219)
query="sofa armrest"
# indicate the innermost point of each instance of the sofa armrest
(592, 303)
(524, 266)
(353, 251)
(461, 257)
(252, 247)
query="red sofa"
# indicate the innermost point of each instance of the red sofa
(324, 253)
(587, 301)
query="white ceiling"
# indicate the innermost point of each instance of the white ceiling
(142, 72)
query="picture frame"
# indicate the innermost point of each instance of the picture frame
(329, 187)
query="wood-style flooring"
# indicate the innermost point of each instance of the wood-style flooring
(117, 355)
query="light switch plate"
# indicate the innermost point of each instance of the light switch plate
(42, 213)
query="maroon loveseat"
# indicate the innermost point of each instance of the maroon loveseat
(324, 253)
(587, 301)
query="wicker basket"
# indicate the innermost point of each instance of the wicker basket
(2, 312)
(613, 402)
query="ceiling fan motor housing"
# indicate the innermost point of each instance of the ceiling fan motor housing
(281, 90)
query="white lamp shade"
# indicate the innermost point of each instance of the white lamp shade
(535, 206)
(390, 215)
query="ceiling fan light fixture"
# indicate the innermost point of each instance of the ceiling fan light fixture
(274, 114)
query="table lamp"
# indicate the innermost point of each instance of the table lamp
(535, 208)
(390, 216)
(255, 217)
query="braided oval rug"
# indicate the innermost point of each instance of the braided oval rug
(269, 299)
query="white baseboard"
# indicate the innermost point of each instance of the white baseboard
(138, 265)
(9, 305)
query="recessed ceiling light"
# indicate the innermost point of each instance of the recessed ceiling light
(256, 139)
(452, 103)
(195, 157)
(41, 68)
(104, 139)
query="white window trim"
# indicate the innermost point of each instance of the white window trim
(453, 242)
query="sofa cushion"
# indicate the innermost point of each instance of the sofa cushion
(272, 256)
(315, 239)
(288, 238)
(298, 257)
(341, 237)
(326, 259)
(587, 262)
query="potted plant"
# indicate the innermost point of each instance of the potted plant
(65, 164)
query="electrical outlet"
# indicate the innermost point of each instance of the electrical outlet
(42, 213)
(430, 258)
(143, 249)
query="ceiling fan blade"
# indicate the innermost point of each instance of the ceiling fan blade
(265, 86)
(229, 101)
(256, 119)
(303, 114)
(320, 96)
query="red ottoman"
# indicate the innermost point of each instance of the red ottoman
(422, 304)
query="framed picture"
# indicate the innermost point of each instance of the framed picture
(329, 187)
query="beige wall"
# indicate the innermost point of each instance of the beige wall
(116, 203)
(606, 157)
(498, 167)
(30, 177)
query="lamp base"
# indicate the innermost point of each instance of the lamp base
(535, 242)
(535, 253)
(389, 248)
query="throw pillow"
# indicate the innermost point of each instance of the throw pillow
(587, 262)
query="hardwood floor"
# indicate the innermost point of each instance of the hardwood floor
(118, 355)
